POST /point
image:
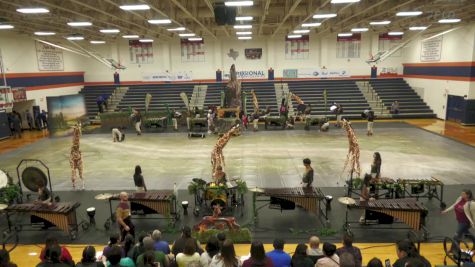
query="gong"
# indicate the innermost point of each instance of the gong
(32, 177)
(3, 179)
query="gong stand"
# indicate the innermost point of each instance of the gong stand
(32, 165)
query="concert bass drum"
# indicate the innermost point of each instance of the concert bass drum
(218, 195)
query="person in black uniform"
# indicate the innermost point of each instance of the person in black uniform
(307, 178)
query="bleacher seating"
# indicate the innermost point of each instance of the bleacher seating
(162, 94)
(343, 92)
(410, 103)
(91, 93)
(213, 94)
(265, 93)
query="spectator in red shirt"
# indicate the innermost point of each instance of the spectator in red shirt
(65, 255)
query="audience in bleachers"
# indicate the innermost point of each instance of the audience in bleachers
(300, 257)
(314, 251)
(375, 262)
(406, 250)
(52, 258)
(5, 259)
(330, 258)
(347, 260)
(89, 258)
(278, 256)
(159, 256)
(212, 248)
(160, 245)
(349, 248)
(189, 254)
(226, 257)
(64, 257)
(258, 256)
(179, 245)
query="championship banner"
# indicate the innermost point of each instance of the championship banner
(167, 76)
(317, 73)
(49, 58)
(192, 51)
(297, 48)
(388, 42)
(348, 46)
(6, 97)
(19, 94)
(140, 53)
(247, 74)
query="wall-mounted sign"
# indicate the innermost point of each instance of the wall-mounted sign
(166, 76)
(431, 50)
(49, 58)
(253, 53)
(315, 73)
(248, 74)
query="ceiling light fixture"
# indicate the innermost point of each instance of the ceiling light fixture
(243, 33)
(395, 33)
(75, 38)
(97, 42)
(242, 26)
(344, 1)
(80, 24)
(301, 31)
(36, 10)
(313, 24)
(44, 33)
(109, 31)
(146, 40)
(408, 13)
(195, 39)
(346, 34)
(324, 16)
(176, 29)
(359, 29)
(239, 3)
(244, 37)
(449, 20)
(244, 18)
(293, 36)
(186, 34)
(159, 21)
(130, 36)
(6, 27)
(418, 28)
(383, 22)
(134, 7)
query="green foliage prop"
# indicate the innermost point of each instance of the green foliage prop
(239, 236)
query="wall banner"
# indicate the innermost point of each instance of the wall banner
(297, 48)
(192, 51)
(431, 49)
(322, 73)
(290, 73)
(166, 76)
(49, 58)
(140, 53)
(248, 74)
(19, 94)
(6, 97)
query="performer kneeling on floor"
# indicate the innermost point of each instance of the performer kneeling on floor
(307, 178)
(124, 216)
(118, 135)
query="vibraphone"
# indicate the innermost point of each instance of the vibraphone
(62, 214)
(423, 188)
(278, 121)
(310, 199)
(406, 210)
(157, 202)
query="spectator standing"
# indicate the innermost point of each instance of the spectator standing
(349, 248)
(300, 257)
(29, 119)
(44, 118)
(395, 107)
(278, 256)
(258, 256)
(370, 117)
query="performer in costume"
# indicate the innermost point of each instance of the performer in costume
(217, 157)
(124, 217)
(44, 195)
(376, 167)
(219, 176)
(139, 180)
(307, 178)
(75, 158)
(117, 135)
(464, 208)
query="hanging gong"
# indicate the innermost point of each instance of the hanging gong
(32, 177)
(3, 179)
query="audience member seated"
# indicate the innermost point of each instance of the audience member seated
(221, 237)
(128, 245)
(331, 259)
(5, 259)
(149, 260)
(417, 262)
(189, 254)
(300, 258)
(347, 260)
(65, 255)
(138, 248)
(349, 248)
(375, 262)
(179, 245)
(89, 258)
(406, 250)
(314, 251)
(160, 245)
(227, 257)
(114, 256)
(212, 248)
(113, 241)
(278, 256)
(148, 245)
(258, 256)
(53, 258)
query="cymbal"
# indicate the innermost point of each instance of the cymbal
(3, 179)
(3, 206)
(346, 200)
(104, 196)
(256, 190)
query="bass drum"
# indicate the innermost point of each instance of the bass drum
(220, 200)
(217, 195)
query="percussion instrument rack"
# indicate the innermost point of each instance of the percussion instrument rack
(408, 211)
(311, 199)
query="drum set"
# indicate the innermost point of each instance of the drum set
(226, 195)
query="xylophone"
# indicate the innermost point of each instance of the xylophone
(406, 210)
(61, 214)
(156, 202)
(310, 199)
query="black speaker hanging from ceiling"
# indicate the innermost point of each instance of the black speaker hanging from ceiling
(231, 15)
(224, 15)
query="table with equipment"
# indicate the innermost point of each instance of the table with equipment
(158, 122)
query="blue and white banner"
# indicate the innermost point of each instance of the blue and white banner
(167, 76)
(247, 74)
(322, 73)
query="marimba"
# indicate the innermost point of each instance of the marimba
(155, 202)
(61, 214)
(406, 210)
(158, 122)
(423, 188)
(311, 199)
(278, 121)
